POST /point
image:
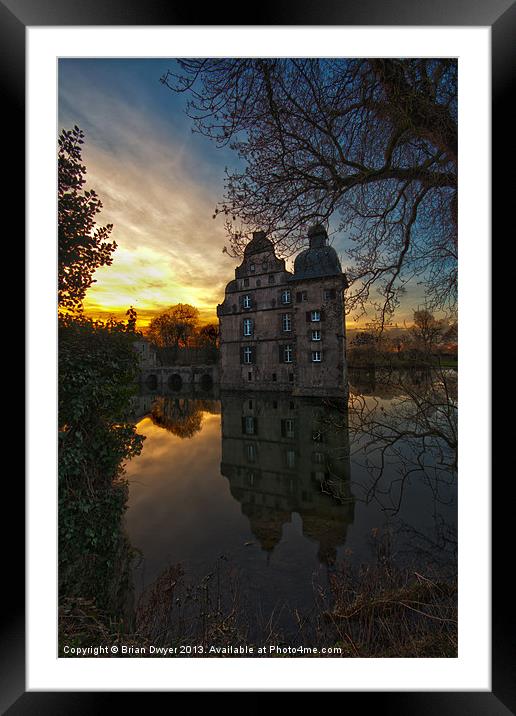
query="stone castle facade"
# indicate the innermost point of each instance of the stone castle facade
(281, 330)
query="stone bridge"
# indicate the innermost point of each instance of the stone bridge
(176, 377)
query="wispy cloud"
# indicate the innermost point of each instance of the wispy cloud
(169, 246)
(159, 185)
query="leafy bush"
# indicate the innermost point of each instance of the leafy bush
(97, 371)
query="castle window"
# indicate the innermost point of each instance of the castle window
(291, 458)
(291, 377)
(246, 301)
(329, 294)
(265, 265)
(288, 354)
(251, 452)
(315, 316)
(318, 457)
(316, 356)
(287, 428)
(271, 278)
(274, 377)
(286, 322)
(252, 268)
(248, 326)
(248, 354)
(258, 282)
(286, 296)
(301, 296)
(246, 282)
(316, 335)
(249, 425)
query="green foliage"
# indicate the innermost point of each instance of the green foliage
(97, 370)
(83, 247)
(94, 553)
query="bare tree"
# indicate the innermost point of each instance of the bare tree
(426, 330)
(409, 425)
(370, 141)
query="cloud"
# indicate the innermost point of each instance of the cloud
(159, 185)
(161, 205)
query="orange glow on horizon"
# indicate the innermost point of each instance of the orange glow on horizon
(144, 317)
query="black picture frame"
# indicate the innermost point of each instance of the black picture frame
(15, 17)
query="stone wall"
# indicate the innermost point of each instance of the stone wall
(272, 365)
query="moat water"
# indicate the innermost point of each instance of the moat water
(274, 492)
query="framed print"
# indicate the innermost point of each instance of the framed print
(250, 487)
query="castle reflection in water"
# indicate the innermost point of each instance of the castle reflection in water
(285, 455)
(281, 455)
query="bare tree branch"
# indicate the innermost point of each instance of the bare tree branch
(371, 143)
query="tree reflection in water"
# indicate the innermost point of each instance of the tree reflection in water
(180, 416)
(403, 425)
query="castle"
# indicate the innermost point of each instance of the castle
(281, 330)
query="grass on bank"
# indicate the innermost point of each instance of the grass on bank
(378, 611)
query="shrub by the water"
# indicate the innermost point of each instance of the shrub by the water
(97, 371)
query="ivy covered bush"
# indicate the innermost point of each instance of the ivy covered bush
(97, 372)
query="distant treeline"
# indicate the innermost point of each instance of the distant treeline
(426, 342)
(179, 339)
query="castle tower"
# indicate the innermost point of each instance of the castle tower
(281, 330)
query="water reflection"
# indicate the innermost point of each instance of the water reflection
(175, 410)
(285, 455)
(260, 508)
(181, 416)
(285, 489)
(388, 383)
(403, 425)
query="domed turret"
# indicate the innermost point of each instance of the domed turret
(319, 259)
(266, 524)
(258, 243)
(317, 236)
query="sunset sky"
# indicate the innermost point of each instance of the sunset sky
(159, 184)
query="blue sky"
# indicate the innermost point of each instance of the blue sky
(159, 183)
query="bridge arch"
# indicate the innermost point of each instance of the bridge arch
(152, 381)
(175, 381)
(206, 381)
